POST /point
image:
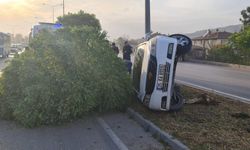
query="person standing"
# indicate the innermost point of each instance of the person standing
(115, 49)
(127, 51)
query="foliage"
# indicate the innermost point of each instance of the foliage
(19, 38)
(240, 42)
(245, 16)
(224, 54)
(237, 51)
(79, 19)
(120, 42)
(133, 42)
(64, 75)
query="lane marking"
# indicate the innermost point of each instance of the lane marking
(231, 96)
(112, 135)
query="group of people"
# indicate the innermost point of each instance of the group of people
(127, 51)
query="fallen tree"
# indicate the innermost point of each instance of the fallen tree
(63, 76)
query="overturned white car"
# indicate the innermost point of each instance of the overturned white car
(154, 68)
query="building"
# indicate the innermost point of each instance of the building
(210, 40)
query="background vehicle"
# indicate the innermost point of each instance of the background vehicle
(5, 44)
(15, 48)
(36, 29)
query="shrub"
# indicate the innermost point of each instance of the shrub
(227, 54)
(223, 54)
(241, 42)
(63, 76)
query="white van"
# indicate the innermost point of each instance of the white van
(154, 71)
(5, 44)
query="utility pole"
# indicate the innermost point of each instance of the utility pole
(63, 8)
(53, 14)
(147, 19)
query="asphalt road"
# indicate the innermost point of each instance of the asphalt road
(85, 134)
(79, 135)
(224, 79)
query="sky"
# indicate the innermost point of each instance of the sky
(126, 17)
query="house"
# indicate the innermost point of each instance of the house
(210, 40)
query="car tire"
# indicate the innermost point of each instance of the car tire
(177, 100)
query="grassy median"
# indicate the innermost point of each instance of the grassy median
(218, 123)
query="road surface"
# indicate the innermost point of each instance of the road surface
(224, 79)
(85, 134)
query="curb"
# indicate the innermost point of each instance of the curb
(153, 129)
(242, 67)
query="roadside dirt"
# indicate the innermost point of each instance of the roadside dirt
(206, 121)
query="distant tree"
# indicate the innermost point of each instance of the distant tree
(26, 39)
(241, 43)
(120, 42)
(79, 19)
(18, 38)
(133, 42)
(242, 40)
(245, 16)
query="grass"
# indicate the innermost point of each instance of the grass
(221, 125)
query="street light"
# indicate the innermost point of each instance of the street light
(53, 7)
(147, 19)
(63, 8)
(54, 11)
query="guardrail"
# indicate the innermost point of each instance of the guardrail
(227, 95)
(243, 67)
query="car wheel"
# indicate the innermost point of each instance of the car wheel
(177, 100)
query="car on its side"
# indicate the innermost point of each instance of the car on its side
(154, 71)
